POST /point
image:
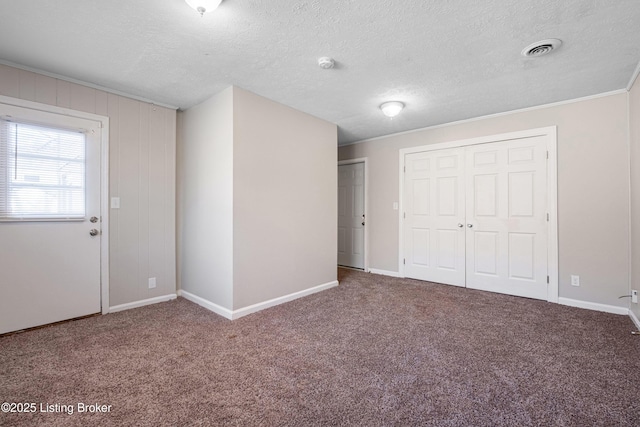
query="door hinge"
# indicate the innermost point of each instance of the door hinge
(547, 217)
(404, 215)
(404, 261)
(547, 155)
(404, 169)
(547, 279)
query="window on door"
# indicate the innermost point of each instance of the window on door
(42, 172)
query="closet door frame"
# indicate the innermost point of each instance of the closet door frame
(550, 135)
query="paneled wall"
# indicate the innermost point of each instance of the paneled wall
(142, 151)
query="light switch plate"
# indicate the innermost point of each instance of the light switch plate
(115, 203)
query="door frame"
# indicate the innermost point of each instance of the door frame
(551, 135)
(104, 181)
(364, 160)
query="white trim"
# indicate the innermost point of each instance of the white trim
(104, 181)
(634, 76)
(224, 312)
(593, 306)
(83, 83)
(384, 272)
(550, 133)
(235, 314)
(142, 303)
(553, 254)
(634, 319)
(276, 301)
(364, 160)
(490, 116)
(104, 216)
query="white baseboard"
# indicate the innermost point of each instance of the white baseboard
(224, 312)
(142, 303)
(593, 306)
(235, 314)
(634, 319)
(384, 272)
(276, 301)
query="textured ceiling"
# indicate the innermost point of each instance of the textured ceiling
(446, 60)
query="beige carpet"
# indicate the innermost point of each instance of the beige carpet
(374, 351)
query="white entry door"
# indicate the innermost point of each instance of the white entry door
(351, 219)
(476, 216)
(434, 204)
(49, 192)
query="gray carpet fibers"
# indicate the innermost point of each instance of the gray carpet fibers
(374, 351)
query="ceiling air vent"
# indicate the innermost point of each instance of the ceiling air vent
(541, 48)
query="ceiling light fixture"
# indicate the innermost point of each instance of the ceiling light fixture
(326, 63)
(203, 6)
(392, 108)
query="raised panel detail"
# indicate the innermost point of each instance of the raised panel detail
(420, 165)
(485, 195)
(342, 201)
(357, 240)
(521, 194)
(447, 249)
(447, 196)
(358, 201)
(521, 256)
(421, 196)
(521, 155)
(342, 239)
(485, 158)
(447, 162)
(486, 252)
(420, 242)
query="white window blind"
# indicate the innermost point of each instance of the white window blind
(42, 172)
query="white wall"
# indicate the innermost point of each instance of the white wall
(205, 188)
(634, 138)
(285, 200)
(141, 172)
(593, 189)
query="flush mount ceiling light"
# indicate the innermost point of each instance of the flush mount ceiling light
(203, 6)
(542, 47)
(392, 108)
(326, 63)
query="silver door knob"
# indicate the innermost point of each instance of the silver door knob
(470, 225)
(460, 225)
(93, 219)
(93, 232)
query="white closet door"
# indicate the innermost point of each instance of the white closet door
(351, 221)
(434, 208)
(507, 217)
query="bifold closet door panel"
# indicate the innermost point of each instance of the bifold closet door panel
(506, 217)
(434, 232)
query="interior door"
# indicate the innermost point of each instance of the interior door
(507, 217)
(49, 244)
(434, 236)
(351, 220)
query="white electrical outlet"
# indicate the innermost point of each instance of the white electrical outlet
(634, 296)
(575, 280)
(152, 282)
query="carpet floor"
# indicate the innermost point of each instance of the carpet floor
(374, 351)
